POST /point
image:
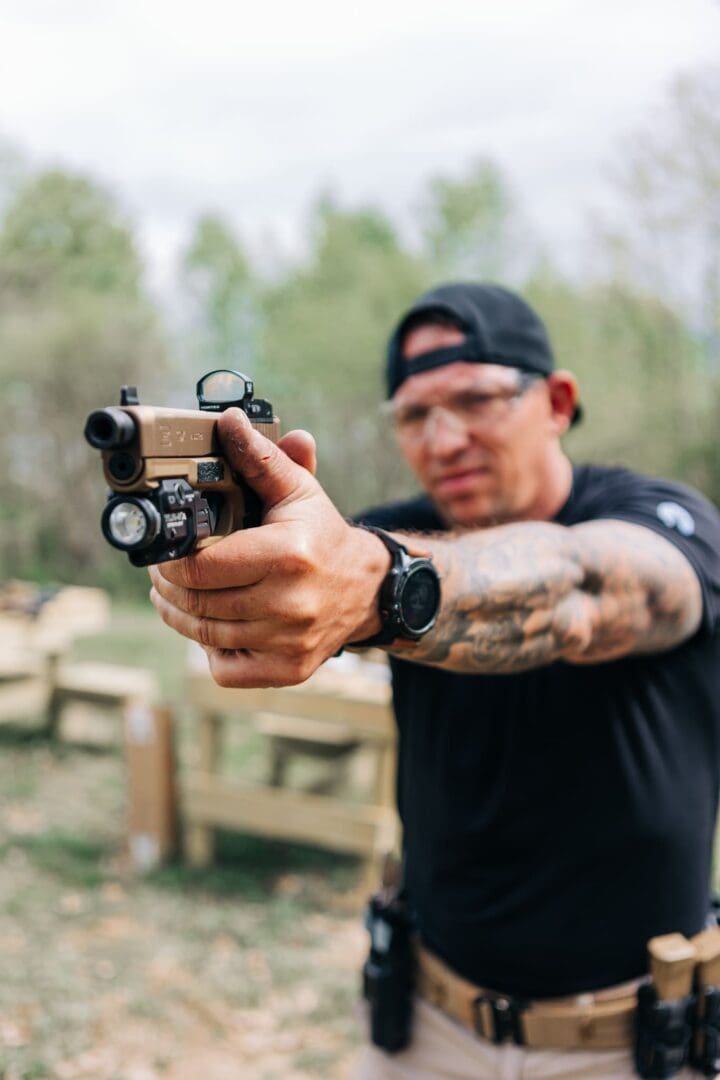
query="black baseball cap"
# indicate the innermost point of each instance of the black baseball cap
(500, 328)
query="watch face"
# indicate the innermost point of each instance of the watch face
(420, 598)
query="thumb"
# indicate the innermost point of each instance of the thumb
(300, 446)
(269, 471)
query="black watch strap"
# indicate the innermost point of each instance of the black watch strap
(394, 546)
(403, 565)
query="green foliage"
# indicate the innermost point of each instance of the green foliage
(666, 240)
(12, 168)
(63, 232)
(326, 327)
(639, 369)
(74, 325)
(73, 857)
(667, 237)
(471, 226)
(220, 280)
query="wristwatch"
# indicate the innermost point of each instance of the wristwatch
(409, 595)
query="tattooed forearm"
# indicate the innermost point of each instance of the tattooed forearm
(521, 596)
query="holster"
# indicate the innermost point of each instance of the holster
(389, 971)
(663, 1033)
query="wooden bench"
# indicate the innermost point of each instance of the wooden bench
(36, 629)
(292, 736)
(330, 716)
(104, 685)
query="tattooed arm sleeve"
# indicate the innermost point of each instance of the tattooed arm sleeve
(520, 596)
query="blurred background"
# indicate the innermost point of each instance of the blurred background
(267, 187)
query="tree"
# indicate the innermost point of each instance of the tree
(663, 241)
(63, 232)
(640, 372)
(220, 280)
(12, 168)
(472, 228)
(667, 235)
(74, 325)
(326, 325)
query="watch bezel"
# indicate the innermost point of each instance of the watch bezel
(416, 566)
(403, 568)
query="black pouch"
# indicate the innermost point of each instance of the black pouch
(389, 971)
(706, 1055)
(663, 1033)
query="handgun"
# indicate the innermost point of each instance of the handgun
(172, 490)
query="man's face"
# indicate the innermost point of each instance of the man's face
(476, 441)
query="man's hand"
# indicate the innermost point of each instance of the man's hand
(271, 604)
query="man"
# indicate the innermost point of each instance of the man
(559, 713)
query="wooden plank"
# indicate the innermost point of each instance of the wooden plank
(198, 837)
(70, 613)
(303, 729)
(152, 803)
(290, 815)
(19, 663)
(368, 717)
(23, 699)
(98, 682)
(385, 775)
(210, 742)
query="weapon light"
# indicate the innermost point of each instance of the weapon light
(130, 523)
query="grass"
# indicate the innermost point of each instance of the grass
(136, 637)
(75, 859)
(248, 969)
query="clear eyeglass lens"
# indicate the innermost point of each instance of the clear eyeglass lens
(473, 406)
(127, 523)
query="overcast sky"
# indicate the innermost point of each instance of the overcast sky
(252, 109)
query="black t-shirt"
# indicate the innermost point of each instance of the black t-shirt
(557, 819)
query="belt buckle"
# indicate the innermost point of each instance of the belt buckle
(506, 1013)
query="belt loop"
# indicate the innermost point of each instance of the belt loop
(504, 1015)
(483, 1018)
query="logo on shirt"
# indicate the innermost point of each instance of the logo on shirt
(676, 517)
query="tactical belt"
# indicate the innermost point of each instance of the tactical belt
(670, 1019)
(602, 1020)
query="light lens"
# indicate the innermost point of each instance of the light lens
(127, 524)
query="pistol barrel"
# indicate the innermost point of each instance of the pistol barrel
(108, 429)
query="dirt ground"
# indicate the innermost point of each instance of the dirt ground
(249, 969)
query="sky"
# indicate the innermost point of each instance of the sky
(253, 110)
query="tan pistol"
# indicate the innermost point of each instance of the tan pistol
(172, 490)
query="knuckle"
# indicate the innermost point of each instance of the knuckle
(222, 672)
(299, 557)
(301, 668)
(164, 614)
(304, 615)
(195, 602)
(190, 573)
(204, 632)
(295, 649)
(222, 677)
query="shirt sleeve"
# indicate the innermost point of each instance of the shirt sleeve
(683, 517)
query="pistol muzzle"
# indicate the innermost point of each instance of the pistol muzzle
(109, 429)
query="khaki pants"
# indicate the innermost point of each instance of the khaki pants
(444, 1050)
